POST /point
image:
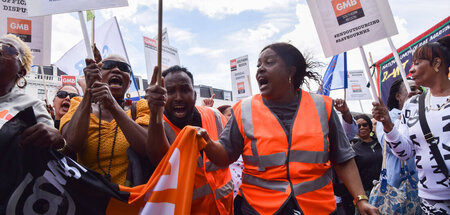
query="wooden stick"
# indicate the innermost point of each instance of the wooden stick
(160, 7)
(45, 84)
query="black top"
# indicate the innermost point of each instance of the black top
(369, 158)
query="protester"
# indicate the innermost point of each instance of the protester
(15, 63)
(368, 153)
(430, 69)
(289, 140)
(397, 98)
(97, 128)
(61, 102)
(213, 187)
(225, 110)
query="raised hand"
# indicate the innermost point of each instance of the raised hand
(208, 102)
(381, 114)
(156, 95)
(92, 73)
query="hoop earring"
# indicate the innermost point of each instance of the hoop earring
(23, 81)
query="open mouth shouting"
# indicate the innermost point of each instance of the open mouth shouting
(179, 110)
(65, 105)
(115, 82)
(263, 83)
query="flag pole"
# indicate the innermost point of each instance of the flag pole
(85, 35)
(93, 29)
(399, 64)
(160, 7)
(366, 67)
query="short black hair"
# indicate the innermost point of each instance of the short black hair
(175, 69)
(365, 118)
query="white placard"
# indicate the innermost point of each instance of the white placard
(46, 7)
(240, 78)
(346, 24)
(35, 32)
(357, 86)
(169, 56)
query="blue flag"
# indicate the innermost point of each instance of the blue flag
(335, 76)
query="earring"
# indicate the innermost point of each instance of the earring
(289, 80)
(22, 82)
(436, 70)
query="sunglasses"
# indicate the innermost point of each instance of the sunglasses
(63, 94)
(111, 64)
(363, 125)
(9, 51)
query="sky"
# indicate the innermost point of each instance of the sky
(209, 33)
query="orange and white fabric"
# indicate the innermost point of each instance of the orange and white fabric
(213, 185)
(169, 190)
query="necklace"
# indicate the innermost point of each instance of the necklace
(439, 107)
(106, 175)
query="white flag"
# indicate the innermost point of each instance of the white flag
(108, 41)
(46, 7)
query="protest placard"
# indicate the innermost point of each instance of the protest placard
(34, 31)
(46, 7)
(343, 25)
(240, 78)
(357, 89)
(169, 56)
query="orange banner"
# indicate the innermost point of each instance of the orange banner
(169, 190)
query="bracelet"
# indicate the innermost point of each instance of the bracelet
(359, 198)
(64, 147)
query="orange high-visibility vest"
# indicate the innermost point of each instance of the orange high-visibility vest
(213, 186)
(277, 166)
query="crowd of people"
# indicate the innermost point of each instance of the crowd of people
(282, 151)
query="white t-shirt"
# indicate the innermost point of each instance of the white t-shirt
(407, 140)
(14, 102)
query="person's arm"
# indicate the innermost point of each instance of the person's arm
(348, 123)
(135, 134)
(157, 142)
(397, 135)
(342, 159)
(349, 174)
(76, 130)
(215, 152)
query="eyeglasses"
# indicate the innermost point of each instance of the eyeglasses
(363, 125)
(63, 94)
(111, 64)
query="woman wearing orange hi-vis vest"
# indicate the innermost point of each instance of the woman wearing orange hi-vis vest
(289, 140)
